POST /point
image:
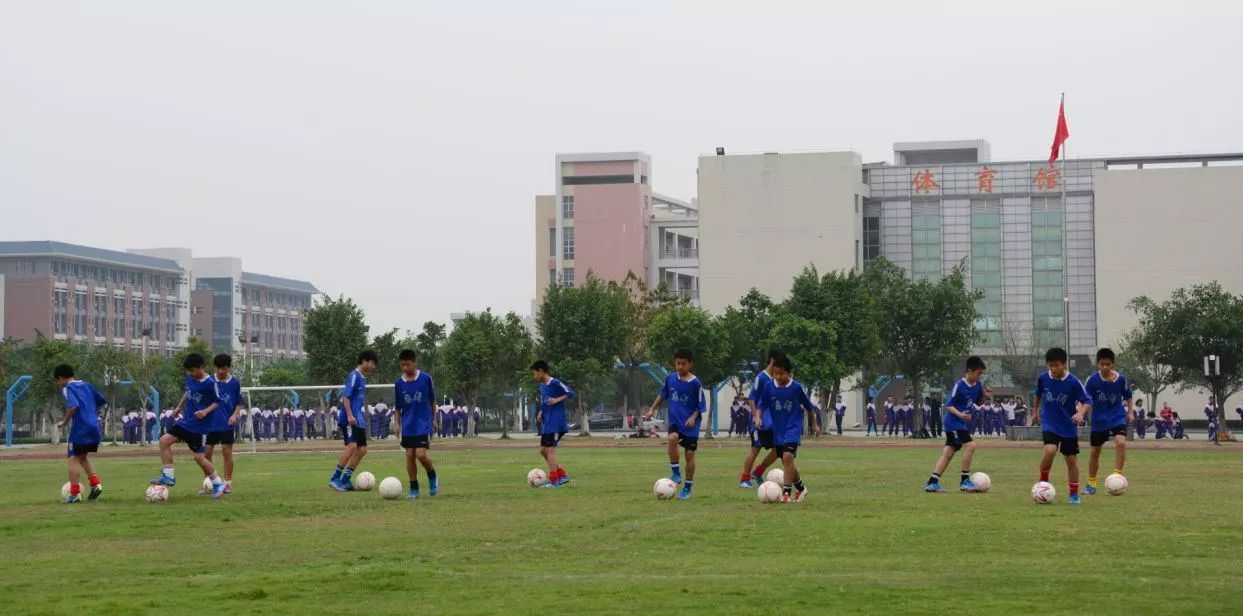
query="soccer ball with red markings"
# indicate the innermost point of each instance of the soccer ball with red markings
(1043, 493)
(537, 477)
(1116, 484)
(664, 488)
(769, 492)
(157, 494)
(981, 481)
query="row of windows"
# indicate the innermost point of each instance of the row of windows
(100, 274)
(94, 312)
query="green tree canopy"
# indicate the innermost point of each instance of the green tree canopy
(335, 333)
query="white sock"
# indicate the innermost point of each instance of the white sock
(215, 479)
(168, 472)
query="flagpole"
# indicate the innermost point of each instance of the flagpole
(1065, 227)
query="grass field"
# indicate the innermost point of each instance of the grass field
(866, 541)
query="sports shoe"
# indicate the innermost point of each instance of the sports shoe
(932, 487)
(433, 486)
(756, 477)
(785, 498)
(800, 495)
(1074, 499)
(341, 486)
(562, 480)
(746, 484)
(1089, 489)
(676, 478)
(966, 486)
(95, 492)
(217, 490)
(550, 485)
(72, 498)
(686, 493)
(413, 494)
(228, 487)
(163, 480)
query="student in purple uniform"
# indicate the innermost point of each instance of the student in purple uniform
(1061, 403)
(82, 404)
(1210, 415)
(352, 423)
(414, 403)
(683, 391)
(229, 390)
(963, 402)
(890, 426)
(839, 413)
(551, 417)
(787, 400)
(1141, 421)
(871, 417)
(1239, 410)
(198, 402)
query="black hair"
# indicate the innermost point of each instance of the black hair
(1105, 353)
(773, 354)
(783, 362)
(368, 356)
(1055, 354)
(684, 354)
(407, 355)
(223, 361)
(193, 360)
(540, 365)
(63, 371)
(975, 363)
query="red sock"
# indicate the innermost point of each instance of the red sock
(1074, 487)
(75, 489)
(1044, 475)
(759, 470)
(560, 471)
(94, 479)
(745, 477)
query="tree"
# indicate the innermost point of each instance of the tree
(747, 330)
(335, 332)
(46, 354)
(685, 327)
(1189, 326)
(427, 345)
(1138, 359)
(642, 305)
(1021, 357)
(481, 357)
(926, 326)
(386, 347)
(582, 331)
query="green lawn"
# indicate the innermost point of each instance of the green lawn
(866, 541)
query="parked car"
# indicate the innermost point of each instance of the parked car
(606, 421)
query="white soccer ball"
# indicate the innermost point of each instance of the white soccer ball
(207, 485)
(537, 477)
(664, 488)
(390, 488)
(769, 492)
(982, 481)
(1116, 484)
(1043, 492)
(364, 482)
(64, 490)
(157, 494)
(776, 476)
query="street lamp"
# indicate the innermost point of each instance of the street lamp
(1212, 370)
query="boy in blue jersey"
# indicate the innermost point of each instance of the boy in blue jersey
(199, 401)
(82, 404)
(353, 422)
(224, 418)
(786, 400)
(551, 417)
(683, 391)
(1111, 413)
(964, 400)
(1061, 404)
(761, 426)
(415, 404)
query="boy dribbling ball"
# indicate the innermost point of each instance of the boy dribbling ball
(1061, 403)
(82, 404)
(1112, 412)
(682, 391)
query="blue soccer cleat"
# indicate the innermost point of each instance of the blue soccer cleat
(217, 490)
(433, 486)
(676, 478)
(746, 484)
(550, 485)
(756, 477)
(967, 486)
(163, 480)
(413, 494)
(686, 492)
(1089, 489)
(72, 498)
(343, 486)
(932, 487)
(1074, 499)
(562, 480)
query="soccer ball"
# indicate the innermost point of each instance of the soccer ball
(1043, 492)
(207, 485)
(769, 492)
(776, 476)
(537, 477)
(390, 488)
(64, 490)
(664, 488)
(1115, 484)
(364, 481)
(157, 494)
(982, 481)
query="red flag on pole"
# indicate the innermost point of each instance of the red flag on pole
(1062, 132)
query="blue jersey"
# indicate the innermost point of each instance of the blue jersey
(84, 425)
(415, 398)
(685, 398)
(1058, 398)
(786, 405)
(553, 415)
(964, 397)
(1108, 401)
(355, 391)
(759, 397)
(230, 393)
(199, 395)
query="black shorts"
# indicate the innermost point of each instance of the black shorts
(82, 448)
(957, 438)
(422, 441)
(790, 448)
(686, 442)
(1069, 446)
(1100, 437)
(550, 439)
(196, 442)
(223, 437)
(354, 434)
(762, 439)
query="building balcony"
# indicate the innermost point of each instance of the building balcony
(671, 252)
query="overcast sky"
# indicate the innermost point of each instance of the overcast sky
(390, 151)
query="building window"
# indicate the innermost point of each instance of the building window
(280, 333)
(552, 275)
(101, 315)
(1048, 316)
(567, 243)
(60, 299)
(582, 180)
(136, 318)
(871, 238)
(567, 277)
(79, 312)
(118, 317)
(170, 321)
(267, 331)
(567, 206)
(926, 247)
(552, 242)
(986, 270)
